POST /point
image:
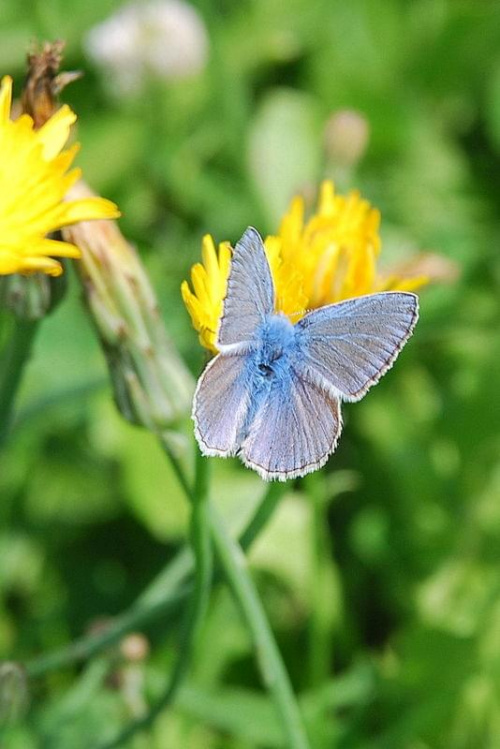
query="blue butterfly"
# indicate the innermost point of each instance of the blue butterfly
(272, 395)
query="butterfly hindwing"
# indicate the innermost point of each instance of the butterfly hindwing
(294, 430)
(250, 292)
(348, 346)
(220, 406)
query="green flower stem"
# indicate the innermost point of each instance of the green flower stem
(12, 363)
(263, 514)
(178, 469)
(195, 611)
(164, 597)
(234, 565)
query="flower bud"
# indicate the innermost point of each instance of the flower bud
(31, 297)
(152, 386)
(134, 647)
(44, 82)
(346, 137)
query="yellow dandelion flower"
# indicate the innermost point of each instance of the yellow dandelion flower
(335, 253)
(34, 180)
(209, 280)
(330, 257)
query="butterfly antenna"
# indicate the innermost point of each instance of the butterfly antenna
(297, 314)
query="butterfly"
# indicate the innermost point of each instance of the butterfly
(272, 394)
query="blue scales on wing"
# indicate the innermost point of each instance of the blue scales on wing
(347, 347)
(220, 405)
(293, 431)
(250, 292)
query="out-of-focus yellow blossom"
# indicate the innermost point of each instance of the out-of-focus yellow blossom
(328, 258)
(34, 180)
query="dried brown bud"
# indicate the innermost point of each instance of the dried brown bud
(44, 82)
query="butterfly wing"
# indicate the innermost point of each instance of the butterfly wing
(295, 429)
(347, 347)
(220, 405)
(250, 292)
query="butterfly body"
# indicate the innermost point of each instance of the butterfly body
(272, 395)
(275, 345)
(269, 358)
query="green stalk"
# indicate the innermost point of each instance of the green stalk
(195, 612)
(233, 564)
(12, 363)
(163, 597)
(263, 514)
(276, 679)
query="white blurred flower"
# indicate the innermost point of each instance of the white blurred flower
(164, 39)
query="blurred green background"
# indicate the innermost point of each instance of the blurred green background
(406, 579)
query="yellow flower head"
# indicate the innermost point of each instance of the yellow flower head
(330, 257)
(34, 180)
(209, 280)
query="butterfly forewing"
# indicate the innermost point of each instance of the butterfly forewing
(294, 430)
(350, 345)
(220, 405)
(250, 292)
